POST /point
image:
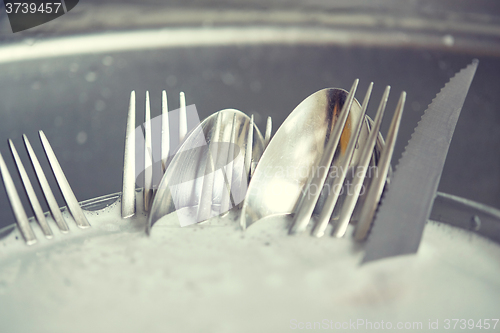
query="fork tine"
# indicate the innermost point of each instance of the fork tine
(165, 132)
(378, 183)
(182, 118)
(67, 192)
(247, 162)
(248, 149)
(148, 163)
(350, 203)
(308, 202)
(44, 184)
(17, 207)
(331, 200)
(269, 129)
(128, 189)
(30, 192)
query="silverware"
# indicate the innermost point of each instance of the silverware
(380, 174)
(332, 198)
(131, 140)
(308, 201)
(214, 129)
(305, 208)
(296, 147)
(342, 137)
(327, 131)
(16, 204)
(383, 167)
(209, 173)
(407, 205)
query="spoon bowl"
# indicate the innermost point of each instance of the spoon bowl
(294, 153)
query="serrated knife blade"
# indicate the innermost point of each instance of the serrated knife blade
(400, 220)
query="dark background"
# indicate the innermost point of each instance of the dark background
(69, 96)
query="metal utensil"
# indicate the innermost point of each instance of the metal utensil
(294, 156)
(129, 158)
(16, 204)
(405, 209)
(309, 200)
(380, 174)
(208, 174)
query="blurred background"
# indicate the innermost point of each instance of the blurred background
(72, 77)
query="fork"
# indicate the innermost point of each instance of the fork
(62, 182)
(309, 200)
(128, 203)
(128, 193)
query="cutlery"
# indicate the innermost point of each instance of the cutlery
(208, 174)
(327, 131)
(406, 207)
(69, 197)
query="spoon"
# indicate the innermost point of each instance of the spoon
(295, 150)
(209, 173)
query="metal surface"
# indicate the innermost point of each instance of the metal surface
(47, 191)
(16, 205)
(331, 201)
(400, 221)
(182, 117)
(308, 201)
(361, 169)
(183, 184)
(269, 130)
(261, 84)
(248, 150)
(379, 178)
(148, 156)
(227, 200)
(262, 57)
(131, 141)
(62, 182)
(165, 132)
(128, 183)
(294, 151)
(204, 211)
(30, 192)
(467, 214)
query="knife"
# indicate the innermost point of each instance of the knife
(400, 220)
